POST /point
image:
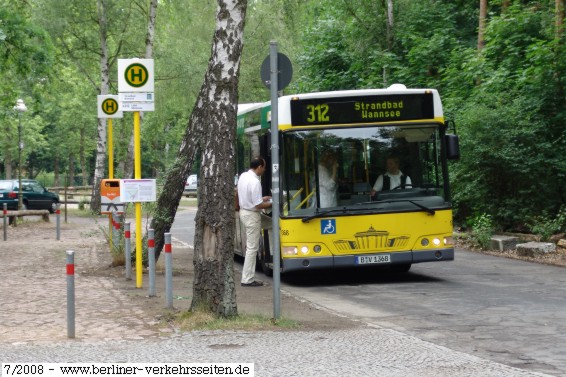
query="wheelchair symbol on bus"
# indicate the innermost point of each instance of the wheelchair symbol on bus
(328, 226)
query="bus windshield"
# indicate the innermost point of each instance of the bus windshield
(382, 169)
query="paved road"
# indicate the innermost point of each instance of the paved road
(505, 310)
(113, 327)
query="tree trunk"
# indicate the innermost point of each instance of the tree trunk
(389, 37)
(213, 285)
(56, 176)
(100, 160)
(71, 181)
(481, 27)
(82, 158)
(559, 35)
(8, 163)
(149, 38)
(212, 130)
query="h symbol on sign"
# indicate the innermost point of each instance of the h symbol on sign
(110, 106)
(136, 72)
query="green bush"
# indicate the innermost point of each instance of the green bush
(482, 230)
(545, 226)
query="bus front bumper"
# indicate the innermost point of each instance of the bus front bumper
(337, 261)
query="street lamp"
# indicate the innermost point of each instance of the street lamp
(20, 108)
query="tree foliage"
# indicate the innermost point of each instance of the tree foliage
(507, 99)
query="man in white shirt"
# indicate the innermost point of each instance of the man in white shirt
(251, 203)
(392, 179)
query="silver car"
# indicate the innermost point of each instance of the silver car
(191, 186)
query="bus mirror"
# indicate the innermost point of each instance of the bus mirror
(452, 147)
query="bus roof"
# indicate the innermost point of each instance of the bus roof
(393, 90)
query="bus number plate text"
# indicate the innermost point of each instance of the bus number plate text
(371, 259)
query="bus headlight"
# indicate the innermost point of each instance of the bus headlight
(290, 250)
(305, 250)
(449, 240)
(436, 241)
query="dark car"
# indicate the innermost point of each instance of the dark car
(34, 195)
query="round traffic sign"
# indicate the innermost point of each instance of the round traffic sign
(284, 74)
(110, 106)
(136, 75)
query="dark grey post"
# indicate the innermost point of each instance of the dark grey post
(5, 211)
(151, 260)
(58, 221)
(70, 294)
(275, 179)
(168, 272)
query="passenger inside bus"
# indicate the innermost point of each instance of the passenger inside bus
(327, 179)
(392, 179)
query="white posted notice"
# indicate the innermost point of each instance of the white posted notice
(138, 190)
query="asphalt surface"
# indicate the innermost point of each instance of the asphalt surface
(114, 330)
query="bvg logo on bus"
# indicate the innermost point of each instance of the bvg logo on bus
(136, 75)
(110, 106)
(328, 226)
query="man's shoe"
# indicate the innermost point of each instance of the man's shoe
(254, 283)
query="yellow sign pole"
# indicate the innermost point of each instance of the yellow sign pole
(110, 151)
(137, 175)
(110, 173)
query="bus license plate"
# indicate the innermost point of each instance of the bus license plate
(371, 259)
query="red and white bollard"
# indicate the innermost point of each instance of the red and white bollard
(70, 294)
(151, 260)
(168, 272)
(127, 251)
(58, 221)
(5, 212)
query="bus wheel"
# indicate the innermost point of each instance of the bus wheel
(403, 267)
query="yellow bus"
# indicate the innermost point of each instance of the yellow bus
(389, 200)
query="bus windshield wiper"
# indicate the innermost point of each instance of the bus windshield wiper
(323, 213)
(426, 209)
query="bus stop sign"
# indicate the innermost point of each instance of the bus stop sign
(284, 75)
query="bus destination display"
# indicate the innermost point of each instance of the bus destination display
(361, 109)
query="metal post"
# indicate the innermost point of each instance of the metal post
(128, 251)
(275, 178)
(5, 211)
(58, 221)
(151, 260)
(168, 272)
(70, 294)
(20, 148)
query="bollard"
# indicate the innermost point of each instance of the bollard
(58, 221)
(5, 222)
(168, 272)
(127, 251)
(118, 224)
(70, 294)
(151, 260)
(114, 243)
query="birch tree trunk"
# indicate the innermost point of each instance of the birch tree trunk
(212, 131)
(149, 38)
(100, 161)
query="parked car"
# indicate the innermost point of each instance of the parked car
(34, 195)
(191, 186)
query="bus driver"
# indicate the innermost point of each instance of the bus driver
(392, 179)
